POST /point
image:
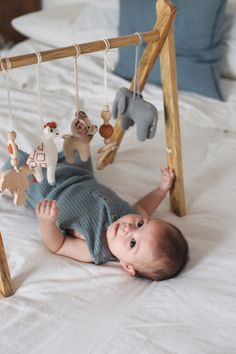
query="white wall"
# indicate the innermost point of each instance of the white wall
(52, 3)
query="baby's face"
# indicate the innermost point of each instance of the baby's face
(132, 238)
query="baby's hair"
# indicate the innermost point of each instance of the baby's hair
(171, 255)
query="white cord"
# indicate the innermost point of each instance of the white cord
(105, 71)
(136, 92)
(39, 96)
(78, 51)
(8, 67)
(106, 63)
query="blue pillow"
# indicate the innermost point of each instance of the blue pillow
(198, 30)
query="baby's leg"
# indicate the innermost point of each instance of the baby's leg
(85, 165)
(38, 191)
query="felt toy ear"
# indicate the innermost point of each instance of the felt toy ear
(128, 268)
(122, 104)
(46, 130)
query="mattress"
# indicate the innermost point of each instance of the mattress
(64, 306)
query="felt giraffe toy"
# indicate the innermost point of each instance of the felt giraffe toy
(45, 154)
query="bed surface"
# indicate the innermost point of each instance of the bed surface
(61, 305)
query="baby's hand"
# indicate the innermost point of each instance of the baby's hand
(167, 179)
(47, 211)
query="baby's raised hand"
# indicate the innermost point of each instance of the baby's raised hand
(47, 211)
(167, 179)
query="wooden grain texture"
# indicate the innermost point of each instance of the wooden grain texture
(85, 48)
(5, 278)
(172, 122)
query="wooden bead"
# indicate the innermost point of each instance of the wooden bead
(11, 135)
(106, 130)
(106, 115)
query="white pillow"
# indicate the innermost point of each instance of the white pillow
(46, 4)
(229, 42)
(76, 23)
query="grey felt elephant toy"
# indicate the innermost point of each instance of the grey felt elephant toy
(134, 110)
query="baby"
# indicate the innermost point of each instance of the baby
(82, 219)
(150, 248)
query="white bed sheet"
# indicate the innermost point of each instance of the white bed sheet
(62, 306)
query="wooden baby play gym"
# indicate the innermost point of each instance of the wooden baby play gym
(160, 41)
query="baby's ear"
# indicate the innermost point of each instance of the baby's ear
(128, 268)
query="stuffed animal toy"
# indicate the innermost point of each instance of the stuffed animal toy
(82, 132)
(45, 154)
(16, 182)
(134, 110)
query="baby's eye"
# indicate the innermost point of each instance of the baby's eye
(132, 243)
(140, 223)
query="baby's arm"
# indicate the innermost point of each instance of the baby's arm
(148, 204)
(54, 239)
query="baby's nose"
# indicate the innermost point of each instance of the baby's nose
(126, 227)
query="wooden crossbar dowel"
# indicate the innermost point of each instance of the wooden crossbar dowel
(85, 48)
(5, 278)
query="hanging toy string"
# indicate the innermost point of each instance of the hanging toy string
(12, 148)
(136, 92)
(78, 51)
(106, 129)
(105, 64)
(39, 96)
(8, 67)
(13, 180)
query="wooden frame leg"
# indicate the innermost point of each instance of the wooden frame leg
(171, 109)
(5, 278)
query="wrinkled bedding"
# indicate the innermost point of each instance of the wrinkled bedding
(63, 306)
